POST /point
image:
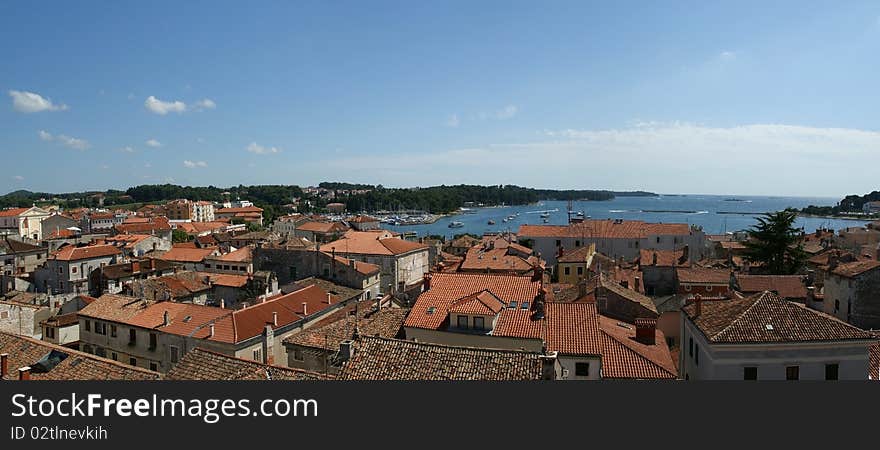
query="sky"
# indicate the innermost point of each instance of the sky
(739, 97)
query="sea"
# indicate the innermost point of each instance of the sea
(717, 214)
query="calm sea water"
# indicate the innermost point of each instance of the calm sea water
(701, 210)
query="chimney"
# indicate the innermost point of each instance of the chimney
(538, 273)
(24, 373)
(654, 258)
(810, 278)
(165, 319)
(646, 330)
(698, 305)
(833, 260)
(426, 284)
(135, 266)
(346, 350)
(582, 288)
(4, 364)
(685, 253)
(152, 264)
(305, 309)
(811, 295)
(352, 263)
(637, 283)
(329, 299)
(211, 330)
(268, 345)
(624, 283)
(223, 303)
(275, 317)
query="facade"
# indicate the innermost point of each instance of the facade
(200, 211)
(19, 258)
(236, 262)
(658, 269)
(113, 278)
(56, 223)
(364, 223)
(68, 269)
(25, 222)
(402, 263)
(294, 264)
(61, 329)
(574, 266)
(703, 281)
(321, 232)
(763, 337)
(852, 293)
(247, 214)
(614, 238)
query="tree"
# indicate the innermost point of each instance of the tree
(178, 236)
(776, 243)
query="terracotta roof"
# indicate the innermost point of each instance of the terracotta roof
(483, 303)
(179, 285)
(223, 279)
(363, 219)
(63, 320)
(155, 224)
(764, 318)
(361, 267)
(12, 212)
(377, 358)
(244, 254)
(246, 209)
(74, 365)
(628, 294)
(701, 275)
(201, 227)
(14, 246)
(578, 255)
(605, 229)
(567, 328)
(73, 253)
(856, 268)
(328, 333)
(431, 307)
(126, 240)
(203, 365)
(665, 258)
(874, 363)
(787, 286)
(193, 255)
(625, 357)
(496, 260)
(322, 227)
(123, 270)
(464, 241)
(367, 243)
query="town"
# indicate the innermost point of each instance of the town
(192, 289)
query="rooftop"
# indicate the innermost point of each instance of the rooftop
(605, 229)
(369, 243)
(202, 365)
(328, 333)
(74, 253)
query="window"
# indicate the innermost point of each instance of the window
(88, 325)
(697, 355)
(691, 347)
(133, 361)
(512, 304)
(479, 323)
(174, 353)
(750, 373)
(154, 367)
(113, 330)
(836, 305)
(792, 372)
(580, 270)
(462, 321)
(558, 242)
(298, 354)
(73, 269)
(132, 337)
(582, 369)
(258, 353)
(100, 328)
(153, 339)
(708, 288)
(832, 371)
(577, 243)
(114, 356)
(567, 270)
(658, 239)
(50, 332)
(101, 351)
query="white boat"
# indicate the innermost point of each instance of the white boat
(456, 224)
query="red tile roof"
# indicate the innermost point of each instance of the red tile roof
(701, 275)
(73, 253)
(155, 224)
(368, 243)
(246, 209)
(625, 357)
(567, 328)
(787, 286)
(204, 365)
(856, 268)
(328, 333)
(765, 318)
(482, 303)
(431, 307)
(605, 229)
(665, 258)
(322, 227)
(193, 255)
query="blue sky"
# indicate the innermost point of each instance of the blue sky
(686, 97)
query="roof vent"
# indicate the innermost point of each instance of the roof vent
(431, 309)
(512, 304)
(768, 327)
(187, 319)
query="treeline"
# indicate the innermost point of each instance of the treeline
(336, 185)
(849, 204)
(444, 199)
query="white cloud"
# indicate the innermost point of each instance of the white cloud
(258, 149)
(18, 178)
(502, 114)
(193, 164)
(72, 142)
(453, 121)
(658, 156)
(153, 143)
(126, 150)
(204, 104)
(159, 107)
(29, 102)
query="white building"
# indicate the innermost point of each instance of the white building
(763, 337)
(68, 269)
(24, 222)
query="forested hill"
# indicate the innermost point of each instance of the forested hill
(849, 204)
(357, 197)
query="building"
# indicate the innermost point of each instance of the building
(181, 287)
(293, 264)
(614, 238)
(247, 214)
(336, 208)
(26, 358)
(378, 358)
(787, 287)
(19, 258)
(315, 349)
(198, 211)
(23, 318)
(871, 208)
(157, 226)
(138, 245)
(703, 281)
(402, 263)
(189, 258)
(57, 223)
(61, 329)
(658, 269)
(114, 278)
(68, 269)
(235, 262)
(156, 335)
(286, 225)
(623, 303)
(205, 365)
(500, 256)
(364, 223)
(852, 292)
(102, 221)
(763, 337)
(460, 245)
(24, 222)
(574, 266)
(321, 232)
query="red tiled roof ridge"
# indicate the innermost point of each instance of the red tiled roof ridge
(635, 349)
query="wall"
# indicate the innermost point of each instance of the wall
(17, 318)
(568, 364)
(858, 299)
(473, 340)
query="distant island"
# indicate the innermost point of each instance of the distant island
(851, 206)
(279, 199)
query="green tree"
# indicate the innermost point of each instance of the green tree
(178, 236)
(776, 243)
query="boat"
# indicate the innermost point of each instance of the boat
(546, 220)
(456, 224)
(491, 222)
(580, 214)
(545, 215)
